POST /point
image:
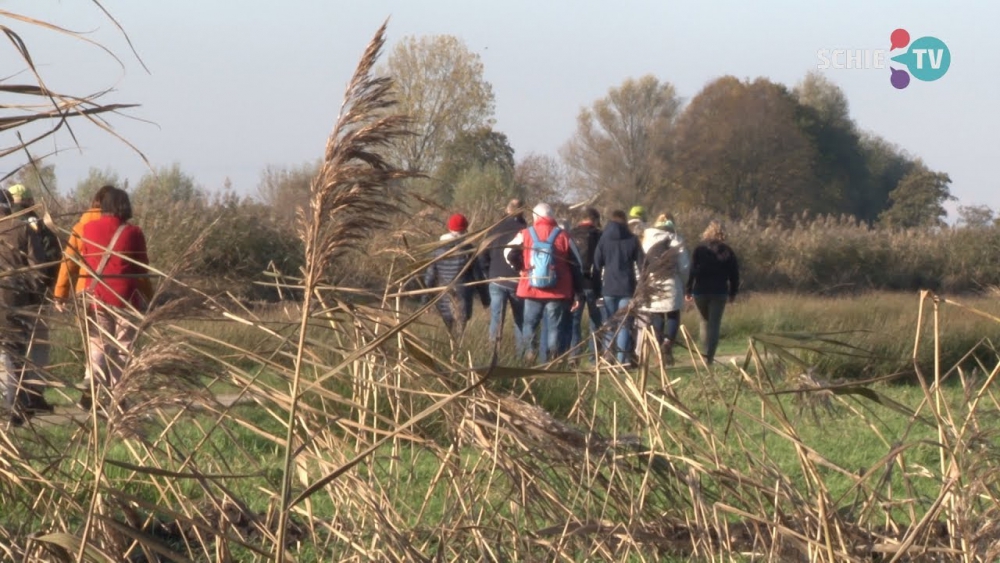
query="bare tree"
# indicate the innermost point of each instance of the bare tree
(440, 85)
(619, 140)
(540, 177)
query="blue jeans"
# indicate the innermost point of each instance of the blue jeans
(621, 329)
(596, 317)
(564, 334)
(500, 297)
(666, 325)
(534, 310)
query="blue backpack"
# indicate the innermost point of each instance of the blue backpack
(543, 260)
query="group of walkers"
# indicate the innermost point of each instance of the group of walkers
(626, 276)
(103, 268)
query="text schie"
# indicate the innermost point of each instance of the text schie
(852, 58)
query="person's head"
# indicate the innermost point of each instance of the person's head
(115, 202)
(590, 214)
(665, 222)
(542, 210)
(515, 207)
(637, 212)
(5, 202)
(99, 195)
(20, 196)
(715, 232)
(458, 224)
(619, 216)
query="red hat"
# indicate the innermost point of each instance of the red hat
(457, 223)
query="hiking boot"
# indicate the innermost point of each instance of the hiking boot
(36, 404)
(667, 351)
(86, 401)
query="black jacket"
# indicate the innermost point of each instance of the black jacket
(618, 256)
(446, 269)
(714, 270)
(586, 236)
(492, 262)
(33, 251)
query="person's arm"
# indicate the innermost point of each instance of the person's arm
(683, 264)
(479, 279)
(576, 268)
(694, 273)
(486, 257)
(734, 275)
(599, 258)
(139, 254)
(430, 275)
(514, 246)
(34, 253)
(69, 268)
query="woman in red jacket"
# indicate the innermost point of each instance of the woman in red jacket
(115, 252)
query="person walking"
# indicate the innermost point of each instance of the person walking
(637, 220)
(564, 337)
(586, 234)
(618, 257)
(503, 277)
(454, 266)
(72, 279)
(664, 278)
(115, 251)
(714, 281)
(29, 258)
(550, 278)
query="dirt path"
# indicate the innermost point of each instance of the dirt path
(68, 413)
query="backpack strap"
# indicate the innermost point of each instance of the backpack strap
(107, 256)
(552, 237)
(534, 234)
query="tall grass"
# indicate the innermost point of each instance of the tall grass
(355, 437)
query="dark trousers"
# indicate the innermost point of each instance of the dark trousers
(455, 308)
(665, 325)
(710, 308)
(596, 318)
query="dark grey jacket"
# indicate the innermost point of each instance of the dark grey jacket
(618, 256)
(492, 261)
(29, 260)
(446, 269)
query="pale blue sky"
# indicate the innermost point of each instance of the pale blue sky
(237, 86)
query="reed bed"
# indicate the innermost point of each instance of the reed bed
(350, 434)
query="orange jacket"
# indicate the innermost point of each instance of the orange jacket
(69, 270)
(71, 274)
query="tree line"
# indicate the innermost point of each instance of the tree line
(738, 148)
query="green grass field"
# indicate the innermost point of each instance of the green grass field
(395, 461)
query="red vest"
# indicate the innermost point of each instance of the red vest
(563, 289)
(120, 277)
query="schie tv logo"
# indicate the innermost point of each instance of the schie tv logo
(927, 59)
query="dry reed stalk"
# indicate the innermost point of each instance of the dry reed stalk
(350, 198)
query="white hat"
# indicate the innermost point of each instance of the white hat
(543, 210)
